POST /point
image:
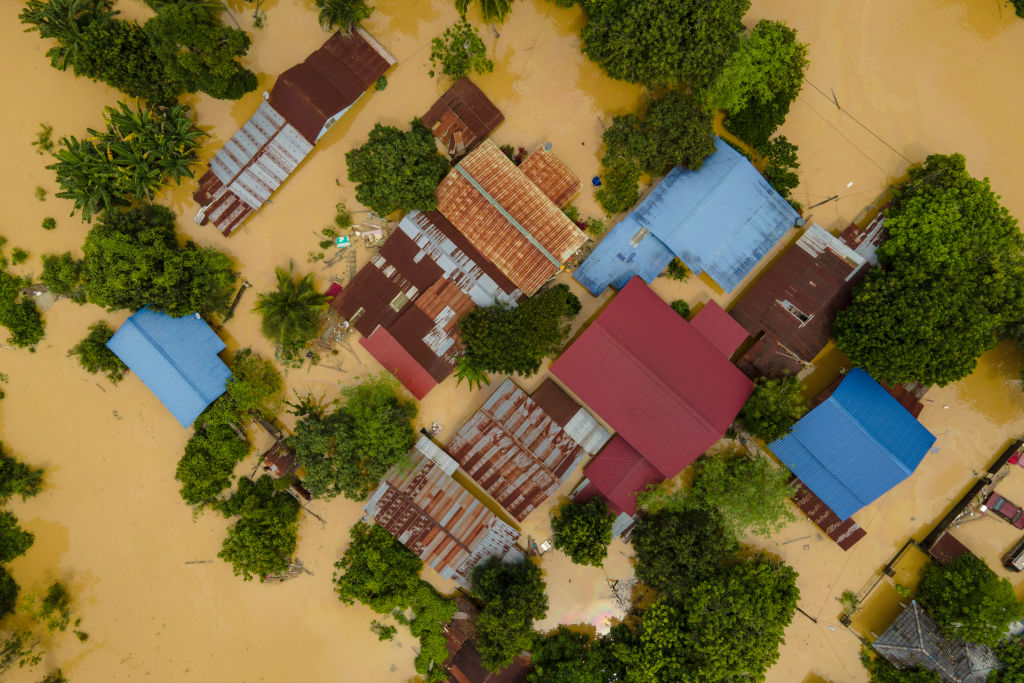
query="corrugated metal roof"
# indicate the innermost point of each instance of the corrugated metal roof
(844, 533)
(554, 179)
(855, 446)
(567, 413)
(432, 515)
(462, 117)
(176, 358)
(628, 250)
(396, 360)
(507, 218)
(619, 472)
(515, 451)
(718, 328)
(654, 378)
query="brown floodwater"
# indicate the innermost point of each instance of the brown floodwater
(920, 76)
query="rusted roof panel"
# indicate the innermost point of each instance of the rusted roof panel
(280, 460)
(508, 218)
(515, 451)
(554, 179)
(432, 515)
(462, 117)
(576, 421)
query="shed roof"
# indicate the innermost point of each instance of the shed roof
(436, 518)
(462, 117)
(914, 640)
(855, 446)
(176, 358)
(507, 217)
(719, 328)
(661, 384)
(619, 472)
(515, 451)
(398, 361)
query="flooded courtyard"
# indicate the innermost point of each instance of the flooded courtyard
(910, 79)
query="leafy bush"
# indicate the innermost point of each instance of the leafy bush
(459, 52)
(681, 307)
(774, 407)
(583, 531)
(63, 275)
(94, 356)
(49, 223)
(677, 270)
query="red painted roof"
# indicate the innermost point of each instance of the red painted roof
(618, 473)
(719, 328)
(654, 378)
(398, 362)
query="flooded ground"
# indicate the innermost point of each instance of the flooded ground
(913, 78)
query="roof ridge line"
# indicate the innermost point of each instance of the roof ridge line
(167, 357)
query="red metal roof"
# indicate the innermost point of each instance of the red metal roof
(554, 179)
(462, 117)
(844, 532)
(719, 328)
(618, 473)
(396, 360)
(654, 378)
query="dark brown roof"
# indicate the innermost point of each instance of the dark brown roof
(553, 400)
(280, 460)
(462, 117)
(329, 80)
(554, 179)
(467, 667)
(947, 548)
(844, 532)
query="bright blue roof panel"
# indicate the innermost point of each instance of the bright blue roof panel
(176, 358)
(615, 259)
(855, 446)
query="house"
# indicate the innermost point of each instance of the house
(512, 214)
(914, 640)
(408, 300)
(721, 219)
(462, 118)
(434, 516)
(464, 664)
(790, 308)
(176, 358)
(304, 103)
(665, 385)
(855, 445)
(518, 451)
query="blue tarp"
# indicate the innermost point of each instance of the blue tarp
(176, 358)
(722, 219)
(855, 446)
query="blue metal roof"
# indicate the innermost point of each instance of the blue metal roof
(721, 219)
(176, 358)
(855, 446)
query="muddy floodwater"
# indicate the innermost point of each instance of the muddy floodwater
(910, 78)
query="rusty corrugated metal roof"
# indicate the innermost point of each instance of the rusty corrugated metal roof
(508, 218)
(462, 117)
(547, 172)
(432, 515)
(515, 450)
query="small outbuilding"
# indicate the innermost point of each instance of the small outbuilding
(176, 358)
(462, 118)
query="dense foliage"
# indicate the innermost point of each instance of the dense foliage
(513, 597)
(348, 450)
(19, 314)
(63, 275)
(968, 600)
(492, 10)
(780, 167)
(396, 170)
(681, 307)
(949, 283)
(8, 593)
(883, 672)
(564, 656)
(290, 314)
(14, 540)
(133, 259)
(1011, 656)
(262, 541)
(459, 52)
(500, 338)
(769, 59)
(343, 14)
(661, 43)
(94, 356)
(583, 531)
(17, 478)
(255, 385)
(773, 408)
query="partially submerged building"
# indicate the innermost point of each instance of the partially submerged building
(434, 516)
(305, 102)
(721, 219)
(462, 118)
(854, 446)
(915, 640)
(176, 358)
(521, 449)
(464, 664)
(664, 384)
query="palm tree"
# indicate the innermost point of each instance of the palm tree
(291, 313)
(491, 9)
(343, 14)
(65, 21)
(466, 370)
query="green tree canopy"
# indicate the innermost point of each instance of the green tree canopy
(208, 463)
(883, 672)
(780, 167)
(677, 549)
(460, 51)
(8, 593)
(769, 59)
(63, 275)
(1011, 656)
(583, 531)
(343, 14)
(94, 356)
(349, 450)
(500, 338)
(255, 384)
(774, 407)
(17, 478)
(950, 280)
(513, 597)
(396, 170)
(132, 259)
(968, 600)
(492, 10)
(564, 656)
(661, 43)
(291, 313)
(14, 540)
(19, 314)
(262, 541)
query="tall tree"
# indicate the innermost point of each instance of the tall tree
(951, 247)
(968, 600)
(769, 59)
(291, 313)
(459, 52)
(396, 170)
(492, 10)
(19, 314)
(513, 597)
(1011, 656)
(206, 468)
(583, 531)
(8, 593)
(564, 656)
(94, 356)
(661, 43)
(262, 541)
(343, 14)
(255, 384)
(14, 540)
(64, 21)
(63, 275)
(774, 407)
(17, 478)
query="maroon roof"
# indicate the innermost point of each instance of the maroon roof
(719, 328)
(396, 360)
(618, 473)
(462, 117)
(329, 81)
(553, 400)
(654, 378)
(947, 548)
(844, 532)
